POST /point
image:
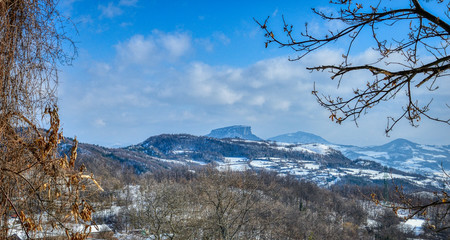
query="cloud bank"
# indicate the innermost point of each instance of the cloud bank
(155, 84)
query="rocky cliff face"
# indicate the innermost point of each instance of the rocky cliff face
(237, 131)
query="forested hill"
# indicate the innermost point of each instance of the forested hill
(317, 163)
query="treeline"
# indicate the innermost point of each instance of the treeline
(208, 204)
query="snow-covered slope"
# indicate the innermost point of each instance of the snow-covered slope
(404, 155)
(326, 164)
(319, 163)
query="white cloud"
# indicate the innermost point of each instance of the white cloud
(278, 70)
(282, 105)
(215, 39)
(221, 37)
(213, 84)
(128, 2)
(100, 69)
(153, 49)
(99, 122)
(274, 14)
(257, 100)
(206, 44)
(110, 10)
(177, 44)
(137, 49)
(192, 96)
(66, 6)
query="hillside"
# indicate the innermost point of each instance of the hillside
(317, 163)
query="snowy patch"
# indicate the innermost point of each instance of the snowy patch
(196, 162)
(415, 225)
(312, 166)
(233, 167)
(181, 151)
(171, 161)
(262, 164)
(232, 160)
(298, 172)
(374, 154)
(317, 148)
(431, 148)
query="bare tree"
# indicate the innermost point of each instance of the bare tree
(422, 44)
(39, 189)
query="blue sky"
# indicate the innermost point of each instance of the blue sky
(151, 67)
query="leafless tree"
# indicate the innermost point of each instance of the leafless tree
(39, 188)
(413, 58)
(435, 208)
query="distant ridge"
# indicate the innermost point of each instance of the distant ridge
(397, 144)
(236, 131)
(299, 137)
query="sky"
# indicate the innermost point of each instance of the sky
(148, 67)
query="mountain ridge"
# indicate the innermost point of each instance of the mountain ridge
(317, 163)
(323, 163)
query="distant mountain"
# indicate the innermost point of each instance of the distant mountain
(237, 131)
(207, 150)
(398, 145)
(410, 164)
(299, 137)
(404, 155)
(314, 162)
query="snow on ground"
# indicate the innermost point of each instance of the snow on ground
(414, 224)
(374, 154)
(317, 148)
(431, 148)
(233, 164)
(392, 175)
(233, 167)
(171, 161)
(196, 162)
(50, 232)
(298, 172)
(113, 210)
(434, 156)
(234, 160)
(262, 163)
(312, 166)
(311, 148)
(283, 144)
(375, 175)
(181, 151)
(301, 149)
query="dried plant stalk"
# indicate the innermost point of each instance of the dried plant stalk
(39, 189)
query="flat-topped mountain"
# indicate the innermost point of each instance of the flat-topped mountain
(236, 131)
